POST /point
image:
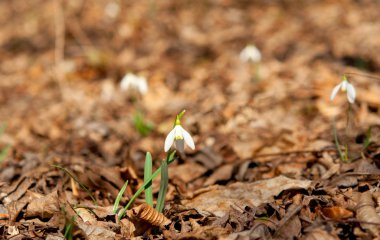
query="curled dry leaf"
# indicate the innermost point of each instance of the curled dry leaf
(147, 213)
(366, 212)
(336, 212)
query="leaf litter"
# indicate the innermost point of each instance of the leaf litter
(265, 165)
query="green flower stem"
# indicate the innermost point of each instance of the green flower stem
(337, 145)
(147, 176)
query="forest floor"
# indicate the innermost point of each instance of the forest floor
(265, 164)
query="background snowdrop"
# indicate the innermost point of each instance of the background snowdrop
(347, 87)
(250, 53)
(133, 82)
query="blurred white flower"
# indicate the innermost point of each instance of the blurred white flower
(133, 82)
(112, 10)
(250, 53)
(179, 137)
(347, 87)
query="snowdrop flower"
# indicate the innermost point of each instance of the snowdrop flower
(347, 87)
(250, 53)
(131, 81)
(178, 136)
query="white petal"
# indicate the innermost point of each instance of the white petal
(344, 85)
(335, 91)
(188, 139)
(351, 93)
(178, 132)
(143, 86)
(243, 56)
(125, 82)
(169, 140)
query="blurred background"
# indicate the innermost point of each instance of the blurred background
(61, 64)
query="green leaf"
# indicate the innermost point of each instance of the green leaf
(148, 179)
(69, 229)
(2, 128)
(119, 195)
(163, 187)
(4, 153)
(367, 140)
(143, 127)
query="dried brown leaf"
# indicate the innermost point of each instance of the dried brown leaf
(319, 234)
(336, 212)
(86, 215)
(94, 232)
(366, 212)
(218, 199)
(221, 174)
(187, 171)
(44, 207)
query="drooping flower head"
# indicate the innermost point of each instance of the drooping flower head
(179, 136)
(250, 53)
(347, 87)
(133, 82)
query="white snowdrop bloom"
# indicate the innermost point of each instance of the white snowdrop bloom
(347, 87)
(250, 53)
(133, 82)
(179, 137)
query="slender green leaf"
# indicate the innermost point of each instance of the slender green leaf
(367, 139)
(69, 229)
(163, 187)
(148, 179)
(169, 158)
(2, 128)
(119, 195)
(76, 180)
(4, 152)
(143, 127)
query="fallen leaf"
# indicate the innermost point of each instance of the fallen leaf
(319, 234)
(187, 171)
(94, 232)
(44, 207)
(366, 212)
(336, 212)
(86, 215)
(218, 200)
(222, 173)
